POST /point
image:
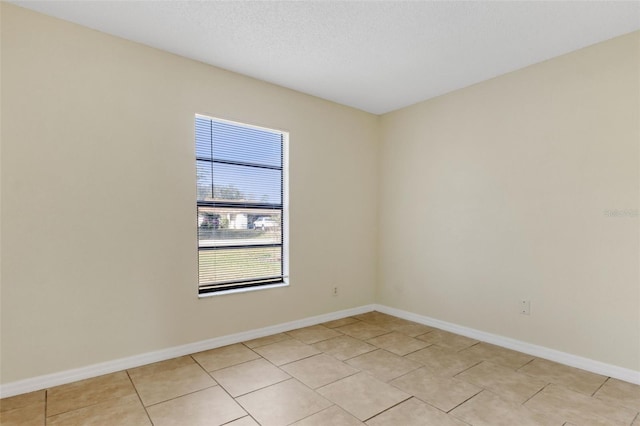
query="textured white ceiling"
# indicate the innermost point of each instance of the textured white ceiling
(377, 56)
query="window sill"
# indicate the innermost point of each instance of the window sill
(242, 290)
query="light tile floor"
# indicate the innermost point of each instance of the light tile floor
(371, 369)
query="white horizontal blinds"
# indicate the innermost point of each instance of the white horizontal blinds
(240, 201)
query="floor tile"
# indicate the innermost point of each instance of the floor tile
(442, 392)
(250, 376)
(332, 416)
(120, 411)
(442, 362)
(413, 413)
(157, 387)
(225, 356)
(245, 421)
(362, 330)
(23, 400)
(578, 408)
(447, 340)
(340, 322)
(286, 351)
(617, 392)
(383, 365)
(328, 375)
(362, 395)
(572, 378)
(283, 403)
(375, 316)
(497, 355)
(313, 334)
(398, 343)
(503, 381)
(319, 370)
(25, 415)
(383, 323)
(88, 392)
(410, 328)
(208, 407)
(158, 367)
(488, 409)
(344, 347)
(267, 340)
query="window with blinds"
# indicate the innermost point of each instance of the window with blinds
(241, 205)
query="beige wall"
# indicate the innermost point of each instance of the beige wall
(98, 199)
(500, 191)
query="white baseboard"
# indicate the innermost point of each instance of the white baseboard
(68, 376)
(587, 364)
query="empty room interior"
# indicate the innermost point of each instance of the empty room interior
(449, 234)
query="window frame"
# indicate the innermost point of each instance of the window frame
(248, 285)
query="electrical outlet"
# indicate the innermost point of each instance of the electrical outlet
(525, 307)
(335, 291)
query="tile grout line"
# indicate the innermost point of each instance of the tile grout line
(316, 393)
(333, 404)
(402, 375)
(355, 356)
(300, 359)
(236, 401)
(389, 408)
(180, 396)
(201, 366)
(88, 405)
(523, 366)
(469, 368)
(139, 397)
(259, 389)
(532, 396)
(254, 390)
(453, 416)
(600, 387)
(417, 350)
(46, 400)
(468, 399)
(287, 337)
(175, 397)
(229, 366)
(234, 420)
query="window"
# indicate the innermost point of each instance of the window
(241, 202)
